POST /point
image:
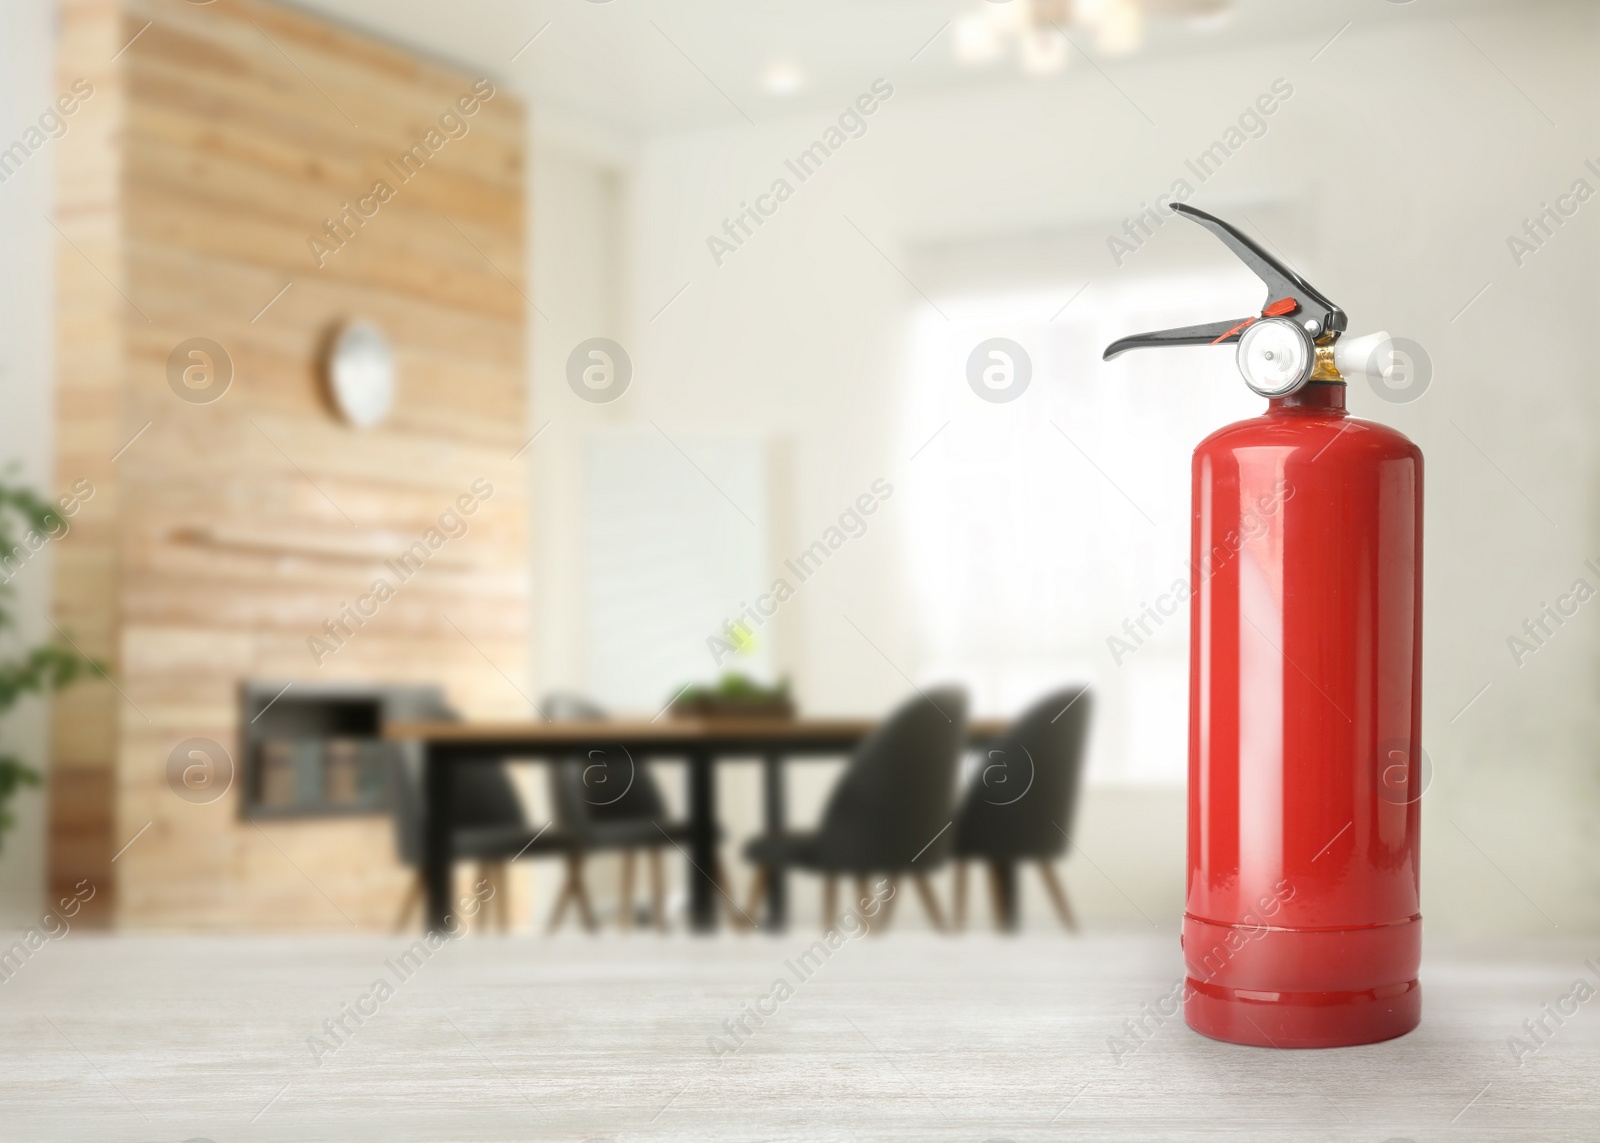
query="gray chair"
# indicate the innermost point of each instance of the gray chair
(889, 814)
(607, 801)
(490, 826)
(1020, 804)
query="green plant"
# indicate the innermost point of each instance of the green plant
(27, 520)
(735, 686)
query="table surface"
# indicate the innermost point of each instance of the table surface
(901, 1037)
(689, 731)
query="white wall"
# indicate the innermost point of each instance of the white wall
(1392, 177)
(576, 224)
(27, 73)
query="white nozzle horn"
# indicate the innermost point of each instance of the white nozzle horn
(1363, 356)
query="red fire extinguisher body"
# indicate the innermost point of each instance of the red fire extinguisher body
(1302, 925)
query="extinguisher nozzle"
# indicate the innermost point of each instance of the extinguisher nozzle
(1368, 356)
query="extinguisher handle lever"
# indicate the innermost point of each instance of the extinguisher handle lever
(1212, 333)
(1287, 293)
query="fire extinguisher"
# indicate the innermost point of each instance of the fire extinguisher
(1301, 924)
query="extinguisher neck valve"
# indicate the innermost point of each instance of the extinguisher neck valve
(1325, 367)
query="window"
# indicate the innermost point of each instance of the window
(1040, 526)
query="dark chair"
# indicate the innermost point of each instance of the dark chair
(610, 801)
(490, 829)
(1020, 803)
(890, 812)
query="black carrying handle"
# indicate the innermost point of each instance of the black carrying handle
(1283, 286)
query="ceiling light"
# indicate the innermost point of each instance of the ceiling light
(1188, 9)
(1033, 31)
(976, 39)
(1120, 30)
(1043, 50)
(1008, 17)
(783, 78)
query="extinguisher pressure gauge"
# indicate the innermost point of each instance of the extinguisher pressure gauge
(1276, 357)
(1294, 338)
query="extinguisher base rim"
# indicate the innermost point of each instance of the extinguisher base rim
(1302, 1020)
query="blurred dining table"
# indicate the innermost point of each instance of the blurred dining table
(698, 741)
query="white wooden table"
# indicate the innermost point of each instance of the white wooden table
(904, 1037)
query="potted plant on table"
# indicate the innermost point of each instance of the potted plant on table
(735, 695)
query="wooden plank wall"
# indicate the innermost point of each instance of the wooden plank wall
(239, 526)
(90, 315)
